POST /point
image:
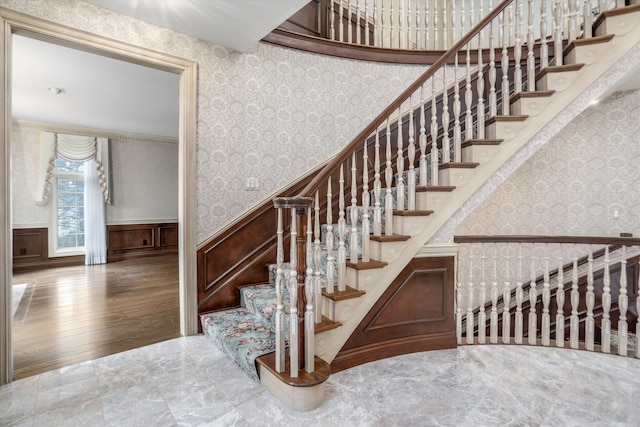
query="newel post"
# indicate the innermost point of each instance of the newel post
(300, 209)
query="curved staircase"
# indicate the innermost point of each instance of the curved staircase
(348, 265)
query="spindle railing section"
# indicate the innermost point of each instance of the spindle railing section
(387, 168)
(437, 24)
(563, 291)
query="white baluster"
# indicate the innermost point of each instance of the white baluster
(317, 282)
(446, 147)
(293, 298)
(505, 74)
(470, 334)
(457, 131)
(468, 98)
(519, 299)
(493, 324)
(400, 188)
(428, 28)
(546, 299)
(366, 197)
(510, 37)
(533, 298)
(332, 24)
(434, 135)
(544, 47)
(376, 27)
(463, 12)
(452, 26)
(342, 224)
(358, 32)
(341, 19)
(391, 29)
(436, 27)
(605, 327)
(445, 28)
(402, 40)
(423, 141)
(493, 99)
(557, 41)
(349, 22)
(388, 201)
(590, 322)
(560, 298)
(411, 157)
(588, 20)
(383, 40)
(531, 60)
(506, 298)
(280, 332)
(480, 132)
(366, 23)
(482, 298)
(418, 41)
(377, 190)
(574, 327)
(309, 293)
(459, 301)
(409, 22)
(329, 243)
(353, 244)
(623, 305)
(517, 50)
(573, 21)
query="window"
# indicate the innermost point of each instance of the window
(66, 232)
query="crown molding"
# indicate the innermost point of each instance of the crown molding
(100, 133)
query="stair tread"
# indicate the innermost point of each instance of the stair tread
(613, 12)
(366, 265)
(480, 142)
(558, 69)
(458, 165)
(320, 374)
(509, 118)
(533, 94)
(425, 212)
(349, 293)
(326, 325)
(392, 238)
(435, 188)
(587, 42)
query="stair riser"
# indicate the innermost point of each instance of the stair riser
(455, 177)
(409, 225)
(531, 106)
(558, 81)
(503, 130)
(619, 24)
(338, 311)
(434, 200)
(586, 54)
(479, 153)
(363, 280)
(386, 251)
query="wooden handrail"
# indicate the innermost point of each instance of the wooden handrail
(581, 240)
(344, 155)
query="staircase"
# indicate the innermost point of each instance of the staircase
(386, 225)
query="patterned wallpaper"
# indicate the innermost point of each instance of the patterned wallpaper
(270, 113)
(573, 184)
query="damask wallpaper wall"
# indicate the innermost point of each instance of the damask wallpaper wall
(270, 113)
(574, 183)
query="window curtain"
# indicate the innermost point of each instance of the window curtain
(72, 147)
(95, 152)
(95, 233)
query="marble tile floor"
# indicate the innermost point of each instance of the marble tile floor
(189, 382)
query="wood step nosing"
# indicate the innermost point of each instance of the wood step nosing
(350, 293)
(393, 238)
(425, 212)
(435, 188)
(459, 165)
(510, 118)
(558, 69)
(532, 94)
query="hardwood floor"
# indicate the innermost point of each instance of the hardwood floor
(74, 314)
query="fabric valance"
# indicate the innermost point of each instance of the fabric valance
(75, 148)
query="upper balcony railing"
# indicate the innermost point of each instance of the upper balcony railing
(436, 25)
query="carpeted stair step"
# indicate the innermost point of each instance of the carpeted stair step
(261, 301)
(242, 335)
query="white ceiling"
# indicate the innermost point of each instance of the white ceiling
(104, 93)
